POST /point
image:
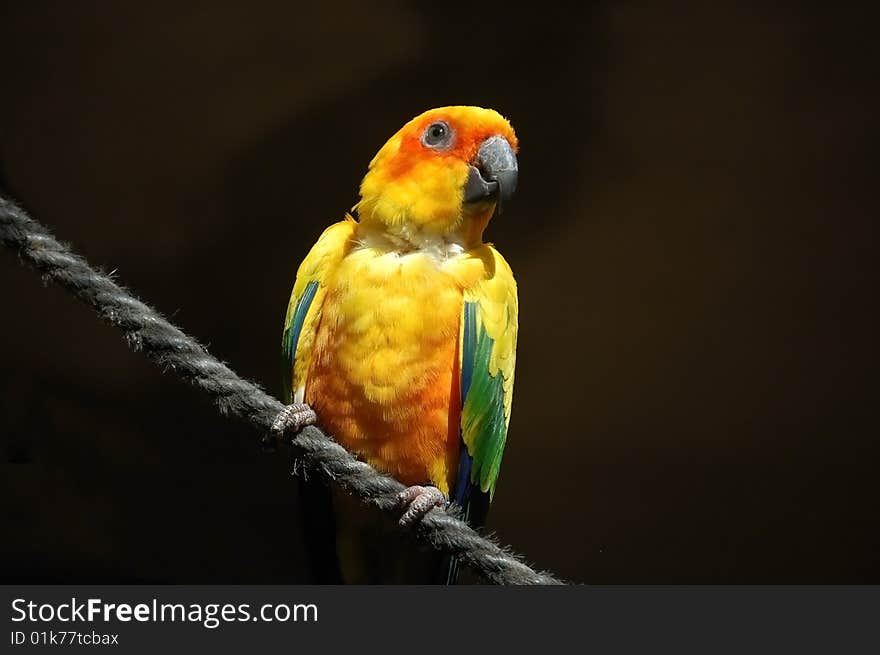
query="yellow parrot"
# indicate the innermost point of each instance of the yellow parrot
(400, 336)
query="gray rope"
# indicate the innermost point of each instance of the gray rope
(145, 329)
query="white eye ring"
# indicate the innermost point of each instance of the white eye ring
(437, 135)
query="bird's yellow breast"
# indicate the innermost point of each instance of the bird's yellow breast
(384, 372)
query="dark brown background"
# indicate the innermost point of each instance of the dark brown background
(696, 382)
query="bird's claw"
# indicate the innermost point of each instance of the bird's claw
(292, 419)
(418, 501)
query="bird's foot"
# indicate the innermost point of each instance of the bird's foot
(292, 419)
(418, 501)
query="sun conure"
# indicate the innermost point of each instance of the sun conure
(401, 335)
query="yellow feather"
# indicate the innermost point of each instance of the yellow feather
(323, 258)
(498, 313)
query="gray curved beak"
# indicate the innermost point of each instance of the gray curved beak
(493, 173)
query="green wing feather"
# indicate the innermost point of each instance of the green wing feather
(488, 356)
(290, 337)
(304, 308)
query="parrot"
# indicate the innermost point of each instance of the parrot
(399, 340)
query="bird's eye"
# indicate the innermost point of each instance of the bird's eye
(437, 135)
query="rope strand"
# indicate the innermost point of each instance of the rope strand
(146, 330)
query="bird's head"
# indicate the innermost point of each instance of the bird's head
(442, 175)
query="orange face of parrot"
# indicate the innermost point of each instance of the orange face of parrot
(441, 175)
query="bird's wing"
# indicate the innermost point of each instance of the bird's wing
(304, 309)
(487, 356)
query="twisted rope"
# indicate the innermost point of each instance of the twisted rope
(145, 329)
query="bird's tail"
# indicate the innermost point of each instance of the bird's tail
(449, 570)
